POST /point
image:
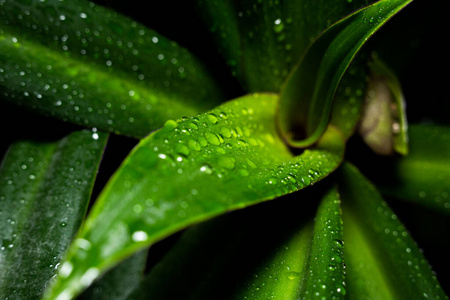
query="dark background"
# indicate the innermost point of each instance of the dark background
(413, 43)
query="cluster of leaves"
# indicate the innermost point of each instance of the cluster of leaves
(305, 83)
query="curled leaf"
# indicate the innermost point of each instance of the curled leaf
(307, 95)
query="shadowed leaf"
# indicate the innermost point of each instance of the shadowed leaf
(44, 193)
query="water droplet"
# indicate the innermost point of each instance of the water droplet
(244, 172)
(212, 118)
(212, 138)
(294, 275)
(139, 236)
(227, 162)
(182, 150)
(170, 124)
(194, 145)
(206, 168)
(226, 132)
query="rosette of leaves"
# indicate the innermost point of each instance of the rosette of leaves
(222, 150)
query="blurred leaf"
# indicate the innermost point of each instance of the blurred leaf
(280, 254)
(382, 259)
(423, 175)
(383, 123)
(263, 40)
(85, 64)
(191, 170)
(44, 193)
(119, 282)
(307, 95)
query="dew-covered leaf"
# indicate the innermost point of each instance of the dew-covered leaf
(307, 95)
(263, 40)
(382, 260)
(189, 171)
(324, 273)
(279, 254)
(85, 64)
(44, 193)
(423, 176)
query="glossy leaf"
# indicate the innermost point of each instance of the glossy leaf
(382, 260)
(191, 170)
(85, 64)
(281, 254)
(324, 272)
(423, 175)
(383, 123)
(307, 95)
(263, 40)
(44, 193)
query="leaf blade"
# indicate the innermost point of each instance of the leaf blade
(307, 95)
(37, 205)
(85, 64)
(172, 179)
(401, 269)
(422, 175)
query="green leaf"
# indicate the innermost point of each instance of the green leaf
(307, 95)
(382, 259)
(119, 282)
(423, 175)
(85, 64)
(191, 170)
(324, 272)
(263, 40)
(44, 193)
(280, 254)
(383, 123)
(230, 257)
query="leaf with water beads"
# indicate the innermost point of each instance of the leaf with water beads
(44, 193)
(82, 63)
(159, 189)
(382, 260)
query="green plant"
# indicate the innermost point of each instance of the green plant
(305, 79)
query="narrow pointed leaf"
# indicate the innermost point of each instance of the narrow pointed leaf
(44, 193)
(308, 93)
(324, 273)
(423, 175)
(85, 64)
(382, 259)
(191, 170)
(263, 40)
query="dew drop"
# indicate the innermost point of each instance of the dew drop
(194, 145)
(206, 168)
(170, 124)
(212, 118)
(139, 236)
(212, 138)
(227, 162)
